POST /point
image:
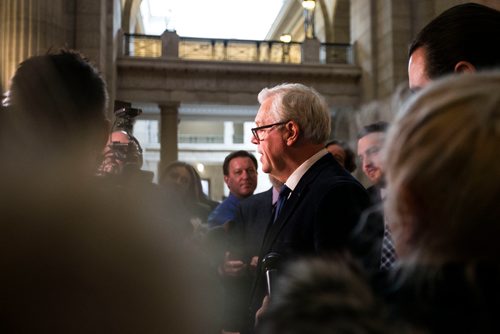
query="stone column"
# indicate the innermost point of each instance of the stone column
(169, 118)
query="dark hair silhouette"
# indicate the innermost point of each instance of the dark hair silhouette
(380, 126)
(350, 157)
(462, 33)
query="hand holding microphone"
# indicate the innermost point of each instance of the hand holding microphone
(270, 263)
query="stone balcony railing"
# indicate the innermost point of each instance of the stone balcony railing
(170, 45)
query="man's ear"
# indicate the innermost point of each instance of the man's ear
(293, 132)
(464, 67)
(226, 178)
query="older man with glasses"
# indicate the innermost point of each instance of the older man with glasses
(320, 202)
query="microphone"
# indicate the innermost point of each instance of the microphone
(270, 264)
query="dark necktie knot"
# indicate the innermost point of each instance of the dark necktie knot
(284, 193)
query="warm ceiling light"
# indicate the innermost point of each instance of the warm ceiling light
(309, 4)
(286, 38)
(200, 167)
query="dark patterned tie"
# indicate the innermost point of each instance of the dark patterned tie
(388, 256)
(284, 192)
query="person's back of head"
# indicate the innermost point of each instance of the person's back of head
(324, 296)
(58, 104)
(347, 158)
(443, 169)
(464, 32)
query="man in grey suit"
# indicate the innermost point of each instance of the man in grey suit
(322, 201)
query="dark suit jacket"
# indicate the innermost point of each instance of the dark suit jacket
(250, 224)
(317, 219)
(245, 239)
(368, 236)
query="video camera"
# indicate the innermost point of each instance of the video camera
(123, 149)
(124, 119)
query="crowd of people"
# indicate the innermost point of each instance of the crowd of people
(91, 244)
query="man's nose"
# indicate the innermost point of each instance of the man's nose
(367, 162)
(254, 140)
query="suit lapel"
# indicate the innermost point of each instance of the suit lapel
(293, 202)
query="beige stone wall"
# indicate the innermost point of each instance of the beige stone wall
(362, 38)
(32, 27)
(35, 27)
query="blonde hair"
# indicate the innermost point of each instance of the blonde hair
(443, 170)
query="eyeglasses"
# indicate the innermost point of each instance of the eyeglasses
(257, 130)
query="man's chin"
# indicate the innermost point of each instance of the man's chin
(266, 169)
(375, 178)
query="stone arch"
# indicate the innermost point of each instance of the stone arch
(328, 29)
(341, 22)
(130, 15)
(336, 18)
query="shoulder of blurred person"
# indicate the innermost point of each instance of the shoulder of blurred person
(458, 297)
(79, 258)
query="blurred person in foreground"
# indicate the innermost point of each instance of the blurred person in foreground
(325, 297)
(79, 256)
(443, 175)
(77, 260)
(56, 117)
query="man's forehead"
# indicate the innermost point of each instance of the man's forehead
(240, 162)
(119, 136)
(417, 69)
(371, 139)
